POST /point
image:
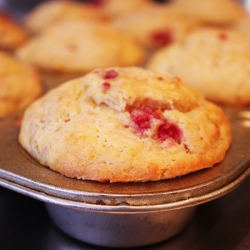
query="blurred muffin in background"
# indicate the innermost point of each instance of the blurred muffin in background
(12, 35)
(74, 46)
(242, 25)
(213, 61)
(213, 12)
(20, 84)
(156, 26)
(113, 8)
(50, 12)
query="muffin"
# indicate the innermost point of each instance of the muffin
(125, 124)
(12, 35)
(156, 26)
(50, 12)
(213, 61)
(19, 85)
(86, 46)
(213, 12)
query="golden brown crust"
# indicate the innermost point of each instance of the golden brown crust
(19, 85)
(125, 125)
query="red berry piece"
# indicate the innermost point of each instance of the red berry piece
(106, 86)
(162, 37)
(142, 117)
(223, 36)
(110, 74)
(169, 130)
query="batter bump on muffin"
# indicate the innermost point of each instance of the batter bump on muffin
(125, 124)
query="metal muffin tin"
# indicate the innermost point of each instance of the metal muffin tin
(124, 214)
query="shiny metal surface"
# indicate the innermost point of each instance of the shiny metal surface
(120, 230)
(21, 173)
(223, 223)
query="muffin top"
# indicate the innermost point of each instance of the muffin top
(125, 125)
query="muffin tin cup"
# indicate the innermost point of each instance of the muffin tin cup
(120, 230)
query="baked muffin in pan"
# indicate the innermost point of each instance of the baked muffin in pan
(125, 124)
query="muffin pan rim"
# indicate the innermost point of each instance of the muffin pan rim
(16, 169)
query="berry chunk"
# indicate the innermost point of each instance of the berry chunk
(162, 37)
(143, 119)
(110, 74)
(106, 86)
(169, 130)
(223, 36)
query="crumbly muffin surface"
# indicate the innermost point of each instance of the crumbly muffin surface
(125, 125)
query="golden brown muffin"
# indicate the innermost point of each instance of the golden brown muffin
(156, 26)
(215, 12)
(19, 85)
(213, 61)
(50, 12)
(12, 35)
(125, 125)
(85, 46)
